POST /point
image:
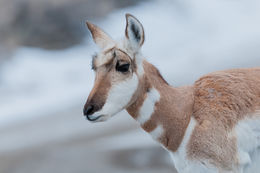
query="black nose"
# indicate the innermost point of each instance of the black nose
(88, 110)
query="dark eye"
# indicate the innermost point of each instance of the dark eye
(122, 67)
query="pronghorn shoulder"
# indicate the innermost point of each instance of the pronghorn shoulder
(238, 149)
(227, 96)
(222, 100)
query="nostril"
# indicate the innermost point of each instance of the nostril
(89, 110)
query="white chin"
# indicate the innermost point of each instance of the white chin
(103, 118)
(99, 118)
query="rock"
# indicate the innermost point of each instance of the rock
(50, 24)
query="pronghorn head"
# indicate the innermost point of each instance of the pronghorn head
(118, 68)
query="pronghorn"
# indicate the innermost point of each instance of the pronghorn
(212, 126)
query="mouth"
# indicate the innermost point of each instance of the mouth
(93, 119)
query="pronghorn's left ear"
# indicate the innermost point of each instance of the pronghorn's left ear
(134, 32)
(99, 36)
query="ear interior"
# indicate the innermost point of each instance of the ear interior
(101, 38)
(134, 31)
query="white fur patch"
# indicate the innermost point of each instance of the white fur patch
(157, 132)
(247, 133)
(147, 108)
(118, 97)
(248, 142)
(104, 58)
(254, 166)
(184, 164)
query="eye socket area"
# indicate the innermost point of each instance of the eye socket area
(122, 67)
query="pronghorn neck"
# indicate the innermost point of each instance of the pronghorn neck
(162, 110)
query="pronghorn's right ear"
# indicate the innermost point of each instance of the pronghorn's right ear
(134, 32)
(101, 38)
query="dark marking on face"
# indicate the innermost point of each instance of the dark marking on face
(114, 54)
(98, 94)
(131, 61)
(148, 89)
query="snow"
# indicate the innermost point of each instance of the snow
(38, 82)
(184, 39)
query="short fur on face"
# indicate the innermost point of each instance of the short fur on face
(114, 90)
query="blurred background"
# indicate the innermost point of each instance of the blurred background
(45, 76)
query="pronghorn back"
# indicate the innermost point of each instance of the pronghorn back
(227, 96)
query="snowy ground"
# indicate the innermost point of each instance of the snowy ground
(184, 39)
(69, 144)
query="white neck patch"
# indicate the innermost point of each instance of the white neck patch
(179, 157)
(157, 132)
(147, 108)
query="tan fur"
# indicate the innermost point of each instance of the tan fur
(104, 60)
(100, 90)
(217, 101)
(170, 111)
(101, 38)
(139, 97)
(221, 100)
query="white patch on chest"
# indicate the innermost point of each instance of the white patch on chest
(147, 108)
(179, 157)
(247, 132)
(184, 164)
(119, 96)
(157, 132)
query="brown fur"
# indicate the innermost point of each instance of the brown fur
(170, 111)
(138, 98)
(101, 38)
(99, 92)
(217, 101)
(221, 100)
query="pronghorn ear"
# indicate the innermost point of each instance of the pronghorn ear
(101, 38)
(134, 32)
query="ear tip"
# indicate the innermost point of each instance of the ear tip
(128, 15)
(89, 25)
